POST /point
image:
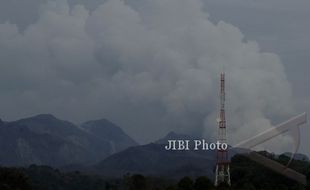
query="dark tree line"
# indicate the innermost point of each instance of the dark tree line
(245, 175)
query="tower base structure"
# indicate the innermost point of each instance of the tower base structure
(222, 175)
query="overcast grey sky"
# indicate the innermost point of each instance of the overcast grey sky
(152, 65)
(278, 26)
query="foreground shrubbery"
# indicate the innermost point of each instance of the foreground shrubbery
(245, 174)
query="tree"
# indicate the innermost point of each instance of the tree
(203, 183)
(13, 179)
(137, 182)
(171, 188)
(186, 183)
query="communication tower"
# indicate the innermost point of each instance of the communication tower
(222, 173)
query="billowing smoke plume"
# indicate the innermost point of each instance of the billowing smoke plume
(151, 66)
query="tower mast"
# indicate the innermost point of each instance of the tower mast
(222, 173)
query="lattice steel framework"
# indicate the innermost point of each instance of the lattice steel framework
(222, 173)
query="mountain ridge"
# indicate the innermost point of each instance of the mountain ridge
(46, 140)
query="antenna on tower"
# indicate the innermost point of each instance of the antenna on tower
(223, 69)
(222, 170)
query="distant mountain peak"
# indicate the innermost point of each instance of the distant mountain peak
(174, 136)
(172, 133)
(40, 117)
(44, 116)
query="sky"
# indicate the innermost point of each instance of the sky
(281, 27)
(152, 66)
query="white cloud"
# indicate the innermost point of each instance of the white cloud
(152, 70)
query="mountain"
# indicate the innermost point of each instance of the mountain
(174, 136)
(46, 140)
(107, 130)
(153, 159)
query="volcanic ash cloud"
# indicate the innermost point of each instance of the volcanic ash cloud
(152, 66)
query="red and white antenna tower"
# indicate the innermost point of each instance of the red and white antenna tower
(222, 173)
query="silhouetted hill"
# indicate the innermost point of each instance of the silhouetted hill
(153, 159)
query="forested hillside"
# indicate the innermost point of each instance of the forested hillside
(245, 174)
